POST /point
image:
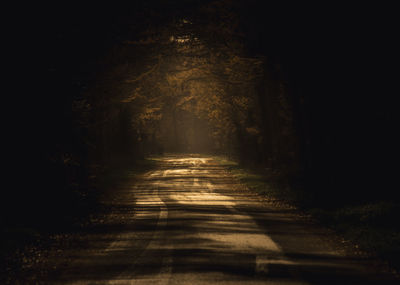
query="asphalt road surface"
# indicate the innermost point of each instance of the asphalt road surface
(190, 222)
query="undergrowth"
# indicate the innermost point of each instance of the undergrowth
(371, 226)
(22, 243)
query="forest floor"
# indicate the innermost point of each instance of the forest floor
(26, 250)
(192, 219)
(367, 229)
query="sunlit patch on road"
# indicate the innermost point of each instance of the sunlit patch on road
(198, 212)
(189, 226)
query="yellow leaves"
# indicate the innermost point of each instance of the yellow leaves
(214, 114)
(144, 74)
(133, 96)
(242, 102)
(253, 131)
(150, 114)
(179, 77)
(184, 100)
(172, 79)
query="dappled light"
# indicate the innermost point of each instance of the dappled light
(201, 142)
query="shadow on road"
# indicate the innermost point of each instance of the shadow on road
(192, 223)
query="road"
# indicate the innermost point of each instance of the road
(190, 222)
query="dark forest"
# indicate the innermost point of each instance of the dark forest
(303, 94)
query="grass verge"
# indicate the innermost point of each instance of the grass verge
(372, 228)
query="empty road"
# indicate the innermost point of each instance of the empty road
(190, 222)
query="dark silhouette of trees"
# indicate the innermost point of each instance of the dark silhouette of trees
(295, 92)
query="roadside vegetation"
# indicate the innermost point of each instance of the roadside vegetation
(371, 227)
(216, 76)
(26, 243)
